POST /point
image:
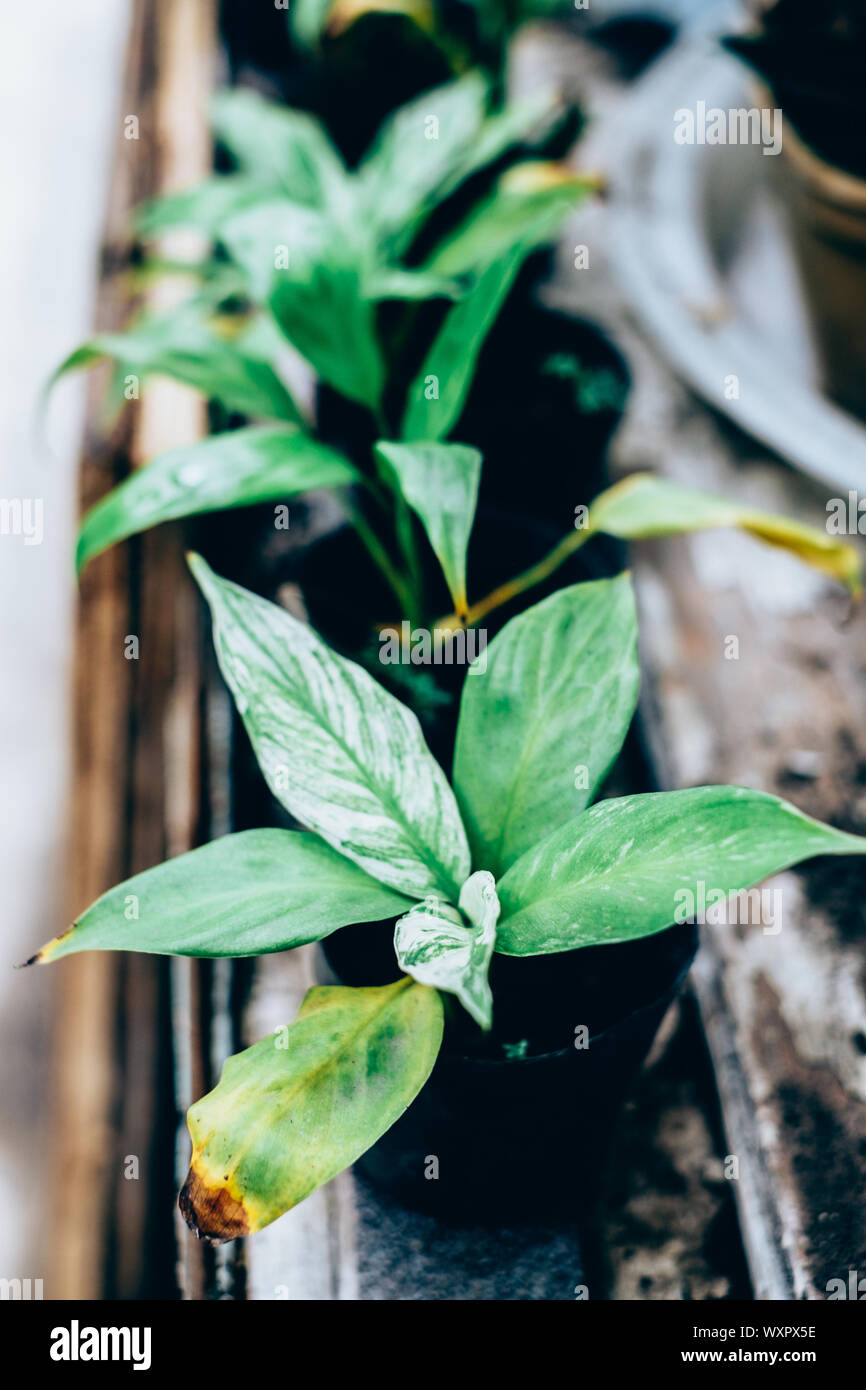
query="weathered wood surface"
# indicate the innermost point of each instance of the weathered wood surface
(784, 1013)
(784, 1010)
(135, 795)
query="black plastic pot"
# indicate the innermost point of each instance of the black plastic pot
(526, 1137)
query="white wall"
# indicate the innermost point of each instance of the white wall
(61, 69)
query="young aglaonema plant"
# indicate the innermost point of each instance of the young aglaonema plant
(510, 856)
(309, 252)
(312, 257)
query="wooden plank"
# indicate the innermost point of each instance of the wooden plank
(84, 1068)
(783, 1013)
(669, 1228)
(784, 1009)
(131, 716)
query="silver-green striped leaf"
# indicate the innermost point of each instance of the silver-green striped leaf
(624, 869)
(435, 945)
(540, 727)
(345, 757)
(411, 158)
(283, 148)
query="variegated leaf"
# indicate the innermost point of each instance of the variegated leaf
(434, 944)
(295, 1109)
(345, 757)
(542, 722)
(625, 868)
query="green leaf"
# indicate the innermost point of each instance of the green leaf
(318, 298)
(416, 150)
(527, 121)
(513, 214)
(415, 164)
(187, 346)
(206, 206)
(281, 148)
(440, 483)
(626, 867)
(644, 506)
(242, 895)
(541, 726)
(295, 1109)
(323, 311)
(434, 945)
(397, 282)
(308, 20)
(436, 396)
(273, 229)
(337, 750)
(265, 463)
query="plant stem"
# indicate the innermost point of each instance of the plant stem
(527, 580)
(380, 557)
(391, 498)
(409, 551)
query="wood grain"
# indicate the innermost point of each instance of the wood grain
(130, 805)
(755, 676)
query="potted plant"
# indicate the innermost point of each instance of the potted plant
(811, 59)
(311, 255)
(485, 879)
(355, 60)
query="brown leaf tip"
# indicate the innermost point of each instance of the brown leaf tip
(48, 951)
(212, 1213)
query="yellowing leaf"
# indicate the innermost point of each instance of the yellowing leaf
(643, 506)
(295, 1109)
